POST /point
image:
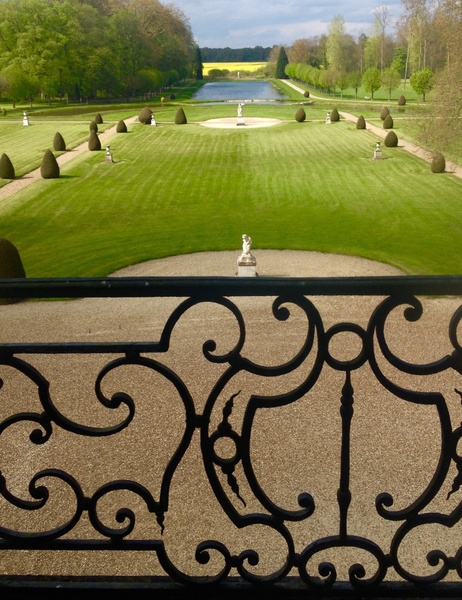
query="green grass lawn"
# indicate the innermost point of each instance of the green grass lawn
(182, 189)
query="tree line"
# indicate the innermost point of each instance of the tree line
(256, 54)
(84, 49)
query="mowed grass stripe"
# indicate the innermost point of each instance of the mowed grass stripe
(179, 189)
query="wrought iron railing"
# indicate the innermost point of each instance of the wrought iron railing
(300, 434)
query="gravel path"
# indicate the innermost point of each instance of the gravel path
(295, 448)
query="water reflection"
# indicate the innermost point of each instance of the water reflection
(239, 90)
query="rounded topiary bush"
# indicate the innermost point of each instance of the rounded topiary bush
(94, 141)
(49, 169)
(334, 116)
(438, 163)
(11, 266)
(388, 122)
(300, 115)
(121, 127)
(172, 96)
(361, 122)
(391, 139)
(384, 113)
(306, 94)
(6, 167)
(98, 119)
(180, 117)
(145, 116)
(401, 101)
(93, 126)
(58, 142)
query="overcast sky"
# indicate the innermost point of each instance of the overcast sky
(249, 23)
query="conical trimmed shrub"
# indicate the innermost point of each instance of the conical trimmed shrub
(93, 126)
(94, 141)
(98, 119)
(388, 122)
(401, 101)
(384, 113)
(334, 116)
(49, 168)
(180, 117)
(438, 163)
(11, 266)
(58, 142)
(306, 94)
(300, 115)
(145, 116)
(121, 127)
(391, 139)
(6, 167)
(361, 122)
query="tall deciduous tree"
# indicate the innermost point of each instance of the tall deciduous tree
(335, 45)
(422, 81)
(371, 80)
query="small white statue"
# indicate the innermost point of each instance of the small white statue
(239, 110)
(246, 245)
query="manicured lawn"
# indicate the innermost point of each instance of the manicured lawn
(181, 189)
(26, 146)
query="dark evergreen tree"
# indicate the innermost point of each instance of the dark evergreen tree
(49, 168)
(197, 66)
(281, 64)
(10, 266)
(388, 122)
(391, 139)
(180, 117)
(6, 167)
(300, 115)
(58, 142)
(145, 116)
(94, 142)
(438, 163)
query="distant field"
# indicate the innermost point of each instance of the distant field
(233, 66)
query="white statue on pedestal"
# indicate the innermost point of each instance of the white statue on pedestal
(239, 110)
(246, 245)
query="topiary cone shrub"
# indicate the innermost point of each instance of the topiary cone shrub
(121, 127)
(58, 142)
(145, 116)
(438, 163)
(93, 126)
(388, 122)
(334, 116)
(401, 101)
(6, 167)
(180, 117)
(384, 113)
(306, 94)
(49, 168)
(300, 115)
(94, 141)
(391, 139)
(11, 266)
(361, 122)
(98, 119)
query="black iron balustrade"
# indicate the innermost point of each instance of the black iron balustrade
(277, 453)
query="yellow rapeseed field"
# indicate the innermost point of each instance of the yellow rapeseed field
(233, 66)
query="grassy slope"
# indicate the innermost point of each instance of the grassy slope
(180, 189)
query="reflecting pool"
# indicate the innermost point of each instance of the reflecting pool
(239, 90)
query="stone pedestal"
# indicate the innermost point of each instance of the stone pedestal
(25, 120)
(246, 266)
(377, 154)
(108, 155)
(240, 121)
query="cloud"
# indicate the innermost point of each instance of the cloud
(249, 23)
